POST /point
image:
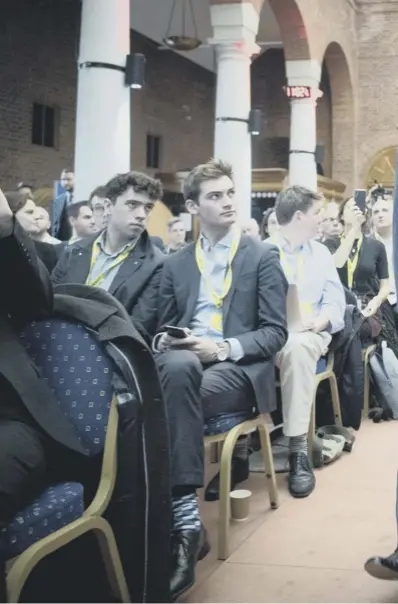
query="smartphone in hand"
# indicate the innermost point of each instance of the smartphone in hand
(360, 199)
(176, 332)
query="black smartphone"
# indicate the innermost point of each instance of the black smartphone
(176, 332)
(360, 199)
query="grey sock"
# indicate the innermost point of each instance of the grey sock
(186, 515)
(241, 450)
(298, 444)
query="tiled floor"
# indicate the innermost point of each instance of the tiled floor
(312, 550)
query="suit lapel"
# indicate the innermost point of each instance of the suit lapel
(237, 265)
(127, 269)
(192, 281)
(82, 264)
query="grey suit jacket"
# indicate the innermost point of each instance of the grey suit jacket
(254, 309)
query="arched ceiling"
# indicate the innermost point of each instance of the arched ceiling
(151, 18)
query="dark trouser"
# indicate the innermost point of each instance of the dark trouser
(23, 470)
(30, 461)
(193, 394)
(23, 467)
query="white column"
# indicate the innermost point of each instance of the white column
(302, 164)
(235, 28)
(103, 130)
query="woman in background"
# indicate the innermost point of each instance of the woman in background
(269, 224)
(361, 262)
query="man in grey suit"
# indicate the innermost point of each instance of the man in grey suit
(228, 292)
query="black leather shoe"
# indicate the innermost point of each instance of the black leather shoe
(301, 477)
(239, 473)
(383, 568)
(187, 547)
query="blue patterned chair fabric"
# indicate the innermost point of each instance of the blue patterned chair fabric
(79, 373)
(225, 422)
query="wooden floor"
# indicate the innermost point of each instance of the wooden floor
(312, 550)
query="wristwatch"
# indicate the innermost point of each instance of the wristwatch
(224, 351)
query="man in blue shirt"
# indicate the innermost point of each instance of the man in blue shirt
(309, 268)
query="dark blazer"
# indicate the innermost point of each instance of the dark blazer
(136, 283)
(27, 295)
(48, 253)
(254, 309)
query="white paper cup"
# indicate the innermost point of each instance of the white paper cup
(240, 504)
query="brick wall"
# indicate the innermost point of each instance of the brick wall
(37, 63)
(38, 51)
(176, 103)
(378, 83)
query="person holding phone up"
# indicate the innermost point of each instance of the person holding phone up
(361, 261)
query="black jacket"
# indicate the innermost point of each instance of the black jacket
(142, 488)
(348, 367)
(26, 296)
(136, 283)
(254, 310)
(49, 253)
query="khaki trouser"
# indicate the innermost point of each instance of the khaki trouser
(297, 365)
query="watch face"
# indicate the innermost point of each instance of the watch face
(222, 353)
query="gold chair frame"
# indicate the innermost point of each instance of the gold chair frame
(327, 374)
(228, 440)
(366, 379)
(91, 520)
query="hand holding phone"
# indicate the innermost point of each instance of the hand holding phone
(360, 199)
(176, 332)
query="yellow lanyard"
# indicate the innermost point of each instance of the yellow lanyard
(306, 307)
(217, 299)
(118, 260)
(288, 269)
(352, 264)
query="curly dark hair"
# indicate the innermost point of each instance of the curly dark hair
(141, 183)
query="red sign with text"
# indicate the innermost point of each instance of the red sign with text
(298, 92)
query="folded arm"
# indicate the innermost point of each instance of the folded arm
(271, 335)
(333, 299)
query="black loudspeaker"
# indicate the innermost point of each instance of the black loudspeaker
(255, 118)
(135, 70)
(320, 154)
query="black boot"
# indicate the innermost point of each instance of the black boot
(239, 473)
(383, 568)
(301, 476)
(187, 547)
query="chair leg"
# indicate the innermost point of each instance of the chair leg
(312, 426)
(215, 452)
(366, 389)
(110, 555)
(224, 506)
(266, 449)
(335, 400)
